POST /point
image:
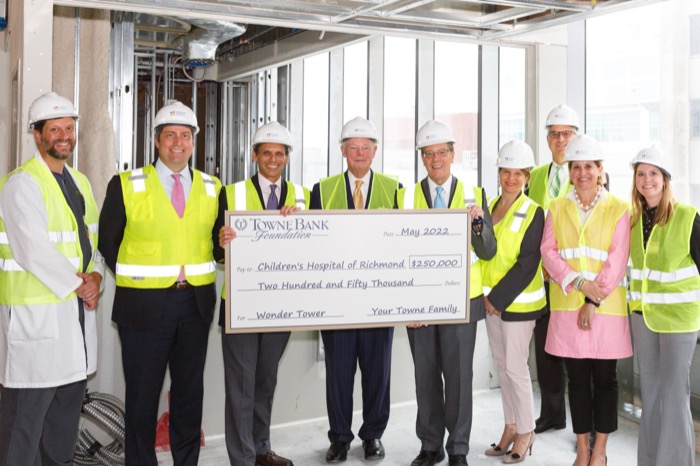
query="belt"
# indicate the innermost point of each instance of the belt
(179, 286)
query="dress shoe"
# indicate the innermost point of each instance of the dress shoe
(428, 458)
(374, 450)
(458, 460)
(272, 459)
(517, 457)
(337, 452)
(497, 450)
(543, 425)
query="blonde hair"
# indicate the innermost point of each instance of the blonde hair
(665, 208)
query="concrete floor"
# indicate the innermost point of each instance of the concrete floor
(306, 443)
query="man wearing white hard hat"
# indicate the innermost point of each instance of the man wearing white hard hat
(157, 234)
(50, 276)
(547, 182)
(358, 188)
(251, 360)
(447, 351)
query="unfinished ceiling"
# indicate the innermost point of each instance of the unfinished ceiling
(469, 19)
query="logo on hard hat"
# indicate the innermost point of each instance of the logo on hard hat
(272, 135)
(177, 113)
(508, 158)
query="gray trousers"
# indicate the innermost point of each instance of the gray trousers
(250, 369)
(666, 434)
(39, 426)
(444, 351)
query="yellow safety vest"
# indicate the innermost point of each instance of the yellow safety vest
(157, 242)
(459, 201)
(17, 286)
(381, 194)
(538, 187)
(664, 280)
(509, 233)
(586, 250)
(244, 196)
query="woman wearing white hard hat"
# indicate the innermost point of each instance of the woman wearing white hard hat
(515, 297)
(585, 248)
(665, 305)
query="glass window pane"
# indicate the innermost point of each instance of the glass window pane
(355, 81)
(457, 103)
(315, 132)
(400, 108)
(511, 95)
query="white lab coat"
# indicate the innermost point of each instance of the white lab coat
(41, 345)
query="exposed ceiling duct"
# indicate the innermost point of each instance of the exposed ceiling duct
(199, 45)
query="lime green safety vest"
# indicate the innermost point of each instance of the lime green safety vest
(459, 201)
(157, 242)
(509, 233)
(17, 286)
(664, 280)
(244, 196)
(586, 250)
(538, 187)
(334, 195)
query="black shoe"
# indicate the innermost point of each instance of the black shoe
(457, 460)
(337, 452)
(374, 450)
(272, 459)
(428, 458)
(543, 425)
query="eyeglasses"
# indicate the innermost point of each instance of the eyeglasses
(442, 153)
(556, 134)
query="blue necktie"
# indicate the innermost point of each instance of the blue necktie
(272, 201)
(439, 201)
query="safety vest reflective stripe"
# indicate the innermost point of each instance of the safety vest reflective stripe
(200, 269)
(209, 185)
(664, 277)
(156, 271)
(584, 251)
(240, 192)
(300, 201)
(588, 275)
(524, 298)
(93, 228)
(54, 236)
(520, 216)
(409, 196)
(473, 257)
(11, 265)
(667, 298)
(138, 180)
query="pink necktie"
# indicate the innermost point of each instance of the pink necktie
(177, 197)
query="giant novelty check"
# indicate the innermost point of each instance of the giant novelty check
(339, 269)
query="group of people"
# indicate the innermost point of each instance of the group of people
(548, 257)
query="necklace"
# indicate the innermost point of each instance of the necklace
(586, 208)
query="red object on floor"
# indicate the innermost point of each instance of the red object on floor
(163, 431)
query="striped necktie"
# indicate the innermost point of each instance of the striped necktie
(555, 184)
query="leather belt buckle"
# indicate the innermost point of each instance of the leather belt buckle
(179, 286)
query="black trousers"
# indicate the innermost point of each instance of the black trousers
(179, 342)
(550, 374)
(592, 394)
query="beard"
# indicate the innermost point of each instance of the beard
(50, 148)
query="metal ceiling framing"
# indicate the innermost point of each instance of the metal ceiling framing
(480, 20)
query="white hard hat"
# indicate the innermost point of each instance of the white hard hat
(562, 115)
(653, 156)
(433, 132)
(273, 133)
(358, 127)
(176, 113)
(50, 106)
(583, 147)
(515, 154)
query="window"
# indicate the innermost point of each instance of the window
(355, 81)
(457, 103)
(315, 130)
(512, 95)
(400, 108)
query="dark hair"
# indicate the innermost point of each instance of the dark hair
(159, 129)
